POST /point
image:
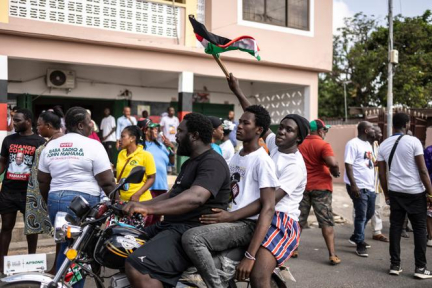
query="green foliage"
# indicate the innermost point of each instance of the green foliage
(360, 56)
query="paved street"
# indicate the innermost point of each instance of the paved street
(311, 269)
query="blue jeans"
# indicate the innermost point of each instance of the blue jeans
(58, 201)
(364, 209)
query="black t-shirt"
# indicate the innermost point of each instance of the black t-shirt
(210, 171)
(19, 152)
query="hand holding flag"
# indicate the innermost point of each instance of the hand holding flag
(215, 44)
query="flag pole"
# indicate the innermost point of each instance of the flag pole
(222, 66)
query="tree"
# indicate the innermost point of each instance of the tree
(360, 55)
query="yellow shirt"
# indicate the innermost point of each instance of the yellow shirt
(139, 158)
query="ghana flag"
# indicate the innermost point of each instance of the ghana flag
(215, 44)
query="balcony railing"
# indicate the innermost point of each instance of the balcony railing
(133, 16)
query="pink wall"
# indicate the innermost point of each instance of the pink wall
(338, 136)
(309, 52)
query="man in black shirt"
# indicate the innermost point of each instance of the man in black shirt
(202, 184)
(16, 160)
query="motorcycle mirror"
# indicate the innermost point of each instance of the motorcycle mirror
(136, 175)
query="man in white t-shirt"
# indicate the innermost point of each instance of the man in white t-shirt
(169, 125)
(124, 121)
(108, 127)
(291, 171)
(226, 146)
(360, 182)
(408, 189)
(252, 178)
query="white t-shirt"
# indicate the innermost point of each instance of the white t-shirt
(227, 150)
(170, 125)
(107, 124)
(252, 172)
(359, 154)
(73, 160)
(292, 174)
(404, 175)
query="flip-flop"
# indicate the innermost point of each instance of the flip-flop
(380, 237)
(334, 260)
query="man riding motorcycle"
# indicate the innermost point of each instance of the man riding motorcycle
(202, 184)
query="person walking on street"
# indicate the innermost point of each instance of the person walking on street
(169, 125)
(428, 161)
(360, 182)
(123, 122)
(132, 155)
(227, 147)
(407, 186)
(17, 156)
(376, 220)
(232, 135)
(108, 127)
(217, 133)
(321, 164)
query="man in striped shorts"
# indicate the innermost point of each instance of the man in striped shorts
(283, 236)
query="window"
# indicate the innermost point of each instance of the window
(285, 13)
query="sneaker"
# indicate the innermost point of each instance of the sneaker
(422, 273)
(429, 243)
(395, 270)
(367, 245)
(361, 250)
(351, 240)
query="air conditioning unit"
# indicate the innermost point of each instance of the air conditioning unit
(60, 79)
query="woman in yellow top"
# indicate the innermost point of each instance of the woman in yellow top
(132, 155)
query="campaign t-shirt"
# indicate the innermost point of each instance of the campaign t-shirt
(170, 125)
(292, 175)
(227, 150)
(249, 174)
(314, 149)
(404, 175)
(161, 159)
(359, 154)
(107, 124)
(73, 161)
(19, 152)
(210, 171)
(125, 164)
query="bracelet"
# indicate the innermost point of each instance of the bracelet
(428, 195)
(249, 256)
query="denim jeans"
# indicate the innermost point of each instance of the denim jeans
(413, 205)
(200, 242)
(364, 208)
(58, 201)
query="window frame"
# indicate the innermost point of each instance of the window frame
(285, 29)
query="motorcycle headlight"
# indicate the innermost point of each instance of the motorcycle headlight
(63, 229)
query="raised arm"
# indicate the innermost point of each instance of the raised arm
(234, 85)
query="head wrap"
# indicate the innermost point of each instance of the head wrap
(228, 125)
(216, 122)
(302, 124)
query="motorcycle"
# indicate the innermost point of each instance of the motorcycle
(93, 246)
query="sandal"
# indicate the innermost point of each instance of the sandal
(295, 254)
(380, 237)
(334, 260)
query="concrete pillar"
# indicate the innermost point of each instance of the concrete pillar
(185, 93)
(3, 96)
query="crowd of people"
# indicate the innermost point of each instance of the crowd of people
(256, 196)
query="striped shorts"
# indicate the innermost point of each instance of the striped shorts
(282, 238)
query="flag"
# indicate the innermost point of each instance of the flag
(215, 44)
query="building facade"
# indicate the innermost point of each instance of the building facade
(143, 53)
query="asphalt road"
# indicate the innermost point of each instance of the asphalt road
(311, 268)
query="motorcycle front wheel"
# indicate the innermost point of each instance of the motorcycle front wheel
(24, 284)
(27, 284)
